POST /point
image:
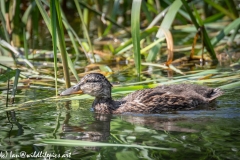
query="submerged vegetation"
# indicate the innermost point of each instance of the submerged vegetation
(140, 43)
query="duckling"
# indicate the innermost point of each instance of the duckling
(154, 100)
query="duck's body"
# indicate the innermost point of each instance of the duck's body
(155, 100)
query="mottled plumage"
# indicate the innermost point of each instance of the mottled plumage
(155, 100)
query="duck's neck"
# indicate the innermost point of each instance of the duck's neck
(105, 105)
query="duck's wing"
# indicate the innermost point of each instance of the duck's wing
(168, 98)
(155, 101)
(192, 90)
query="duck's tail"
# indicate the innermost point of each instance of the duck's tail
(215, 93)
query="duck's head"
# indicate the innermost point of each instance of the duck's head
(94, 84)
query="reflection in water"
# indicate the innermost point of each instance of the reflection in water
(158, 123)
(98, 130)
(196, 134)
(189, 132)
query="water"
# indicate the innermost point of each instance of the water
(199, 134)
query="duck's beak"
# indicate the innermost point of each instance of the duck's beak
(73, 90)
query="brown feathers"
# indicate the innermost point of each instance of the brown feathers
(155, 100)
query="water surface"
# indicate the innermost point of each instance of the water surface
(209, 133)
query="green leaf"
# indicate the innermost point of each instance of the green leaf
(61, 46)
(225, 31)
(127, 45)
(221, 9)
(135, 29)
(64, 142)
(54, 39)
(7, 75)
(85, 31)
(105, 68)
(169, 18)
(3, 21)
(166, 24)
(197, 15)
(14, 89)
(205, 37)
(231, 85)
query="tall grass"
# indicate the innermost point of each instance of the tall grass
(54, 39)
(135, 29)
(145, 42)
(205, 37)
